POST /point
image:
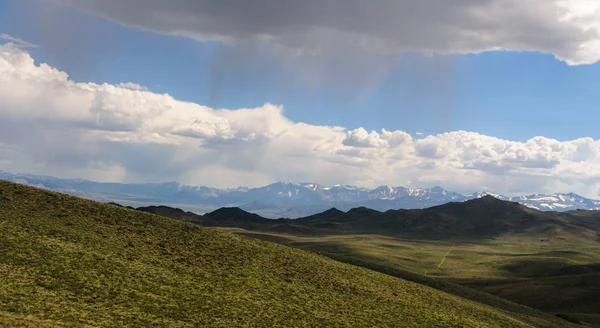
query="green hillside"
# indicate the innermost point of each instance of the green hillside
(71, 262)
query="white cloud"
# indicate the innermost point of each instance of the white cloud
(50, 124)
(567, 29)
(361, 138)
(132, 86)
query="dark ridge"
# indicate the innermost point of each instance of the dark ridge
(363, 211)
(331, 213)
(119, 205)
(485, 203)
(174, 213)
(160, 208)
(235, 214)
(482, 218)
(488, 199)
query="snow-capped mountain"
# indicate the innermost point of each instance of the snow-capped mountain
(288, 199)
(555, 202)
(558, 202)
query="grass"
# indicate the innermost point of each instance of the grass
(72, 262)
(559, 276)
(505, 257)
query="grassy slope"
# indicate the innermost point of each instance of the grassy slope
(558, 276)
(388, 255)
(68, 261)
(575, 296)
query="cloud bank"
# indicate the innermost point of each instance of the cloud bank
(52, 125)
(567, 29)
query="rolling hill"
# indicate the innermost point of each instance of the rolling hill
(66, 261)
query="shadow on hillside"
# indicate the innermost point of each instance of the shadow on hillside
(549, 253)
(266, 237)
(537, 268)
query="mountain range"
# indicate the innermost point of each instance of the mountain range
(281, 199)
(485, 217)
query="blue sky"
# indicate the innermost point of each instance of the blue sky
(455, 91)
(511, 95)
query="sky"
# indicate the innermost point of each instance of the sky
(495, 95)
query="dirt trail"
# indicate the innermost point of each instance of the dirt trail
(443, 259)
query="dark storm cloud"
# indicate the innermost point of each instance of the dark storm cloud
(567, 29)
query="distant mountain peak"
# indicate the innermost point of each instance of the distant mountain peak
(282, 184)
(288, 199)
